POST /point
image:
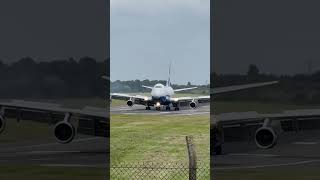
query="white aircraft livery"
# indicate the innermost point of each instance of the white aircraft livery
(162, 96)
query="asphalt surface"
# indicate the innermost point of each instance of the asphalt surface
(85, 151)
(293, 149)
(136, 109)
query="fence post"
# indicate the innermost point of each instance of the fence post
(192, 158)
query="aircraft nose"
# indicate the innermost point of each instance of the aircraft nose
(155, 91)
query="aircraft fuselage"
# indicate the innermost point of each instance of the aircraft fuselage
(161, 94)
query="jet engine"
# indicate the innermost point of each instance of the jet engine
(130, 103)
(193, 104)
(265, 137)
(64, 132)
(2, 124)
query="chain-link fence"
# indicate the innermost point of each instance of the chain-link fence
(194, 169)
(159, 171)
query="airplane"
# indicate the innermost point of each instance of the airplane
(163, 96)
(91, 120)
(264, 128)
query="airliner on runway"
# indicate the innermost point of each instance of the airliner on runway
(95, 121)
(162, 96)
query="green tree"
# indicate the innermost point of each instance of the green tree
(253, 71)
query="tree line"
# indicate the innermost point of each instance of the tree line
(28, 78)
(296, 88)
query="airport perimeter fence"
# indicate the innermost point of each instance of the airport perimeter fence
(193, 170)
(159, 171)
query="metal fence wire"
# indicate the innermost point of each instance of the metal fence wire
(158, 171)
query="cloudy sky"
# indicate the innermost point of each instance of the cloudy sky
(53, 29)
(146, 35)
(280, 36)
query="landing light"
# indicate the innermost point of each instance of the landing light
(157, 104)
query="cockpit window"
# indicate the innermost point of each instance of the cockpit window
(158, 86)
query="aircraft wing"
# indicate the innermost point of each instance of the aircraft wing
(240, 87)
(264, 128)
(106, 78)
(138, 99)
(250, 117)
(184, 89)
(90, 121)
(185, 101)
(148, 87)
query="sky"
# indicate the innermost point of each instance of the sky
(279, 36)
(145, 36)
(53, 29)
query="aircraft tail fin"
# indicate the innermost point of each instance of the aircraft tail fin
(169, 81)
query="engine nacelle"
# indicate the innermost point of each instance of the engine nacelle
(64, 132)
(2, 124)
(265, 137)
(130, 103)
(193, 104)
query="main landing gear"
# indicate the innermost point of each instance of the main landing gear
(168, 108)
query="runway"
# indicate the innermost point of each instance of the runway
(141, 110)
(292, 149)
(85, 151)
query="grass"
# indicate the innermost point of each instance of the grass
(148, 137)
(116, 103)
(33, 131)
(287, 172)
(145, 138)
(133, 138)
(27, 172)
(158, 139)
(25, 131)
